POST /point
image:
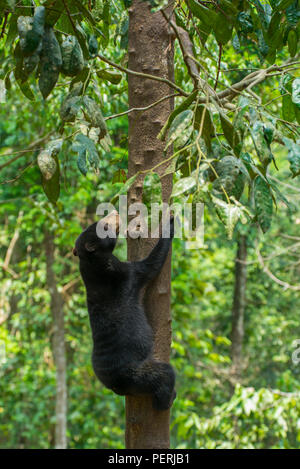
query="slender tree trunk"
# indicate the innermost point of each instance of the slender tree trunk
(58, 346)
(150, 51)
(238, 308)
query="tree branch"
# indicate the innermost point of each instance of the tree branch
(219, 66)
(142, 108)
(11, 246)
(250, 80)
(31, 147)
(186, 47)
(286, 285)
(143, 75)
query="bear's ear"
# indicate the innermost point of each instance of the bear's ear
(90, 246)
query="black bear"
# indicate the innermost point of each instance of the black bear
(122, 355)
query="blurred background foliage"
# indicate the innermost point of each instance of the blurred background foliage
(213, 409)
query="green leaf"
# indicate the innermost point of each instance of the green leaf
(207, 16)
(184, 105)
(222, 28)
(49, 166)
(12, 30)
(26, 90)
(39, 23)
(232, 136)
(82, 162)
(30, 63)
(230, 214)
(262, 45)
(228, 7)
(292, 42)
(208, 129)
(85, 12)
(87, 153)
(297, 113)
(231, 177)
(268, 134)
(106, 22)
(54, 9)
(281, 196)
(94, 115)
(179, 127)
(93, 46)
(82, 78)
(293, 155)
(262, 136)
(122, 30)
(7, 81)
(288, 111)
(125, 187)
(106, 142)
(296, 98)
(263, 203)
(296, 91)
(70, 108)
(204, 32)
(54, 146)
(236, 43)
(3, 89)
(46, 161)
(25, 24)
(18, 56)
(111, 76)
(293, 14)
(245, 21)
(51, 62)
(82, 39)
(52, 186)
(283, 5)
(264, 12)
(183, 185)
(72, 56)
(19, 74)
(31, 30)
(8, 5)
(274, 24)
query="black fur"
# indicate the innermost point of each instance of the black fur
(123, 340)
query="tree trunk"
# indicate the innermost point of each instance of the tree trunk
(150, 51)
(238, 309)
(58, 346)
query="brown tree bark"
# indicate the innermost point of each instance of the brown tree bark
(238, 308)
(150, 51)
(58, 345)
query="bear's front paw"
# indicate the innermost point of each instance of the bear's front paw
(172, 222)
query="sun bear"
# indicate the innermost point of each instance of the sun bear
(122, 356)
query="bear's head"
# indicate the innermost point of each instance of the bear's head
(99, 239)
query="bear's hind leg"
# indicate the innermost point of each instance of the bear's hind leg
(158, 379)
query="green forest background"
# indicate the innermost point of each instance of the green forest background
(213, 409)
